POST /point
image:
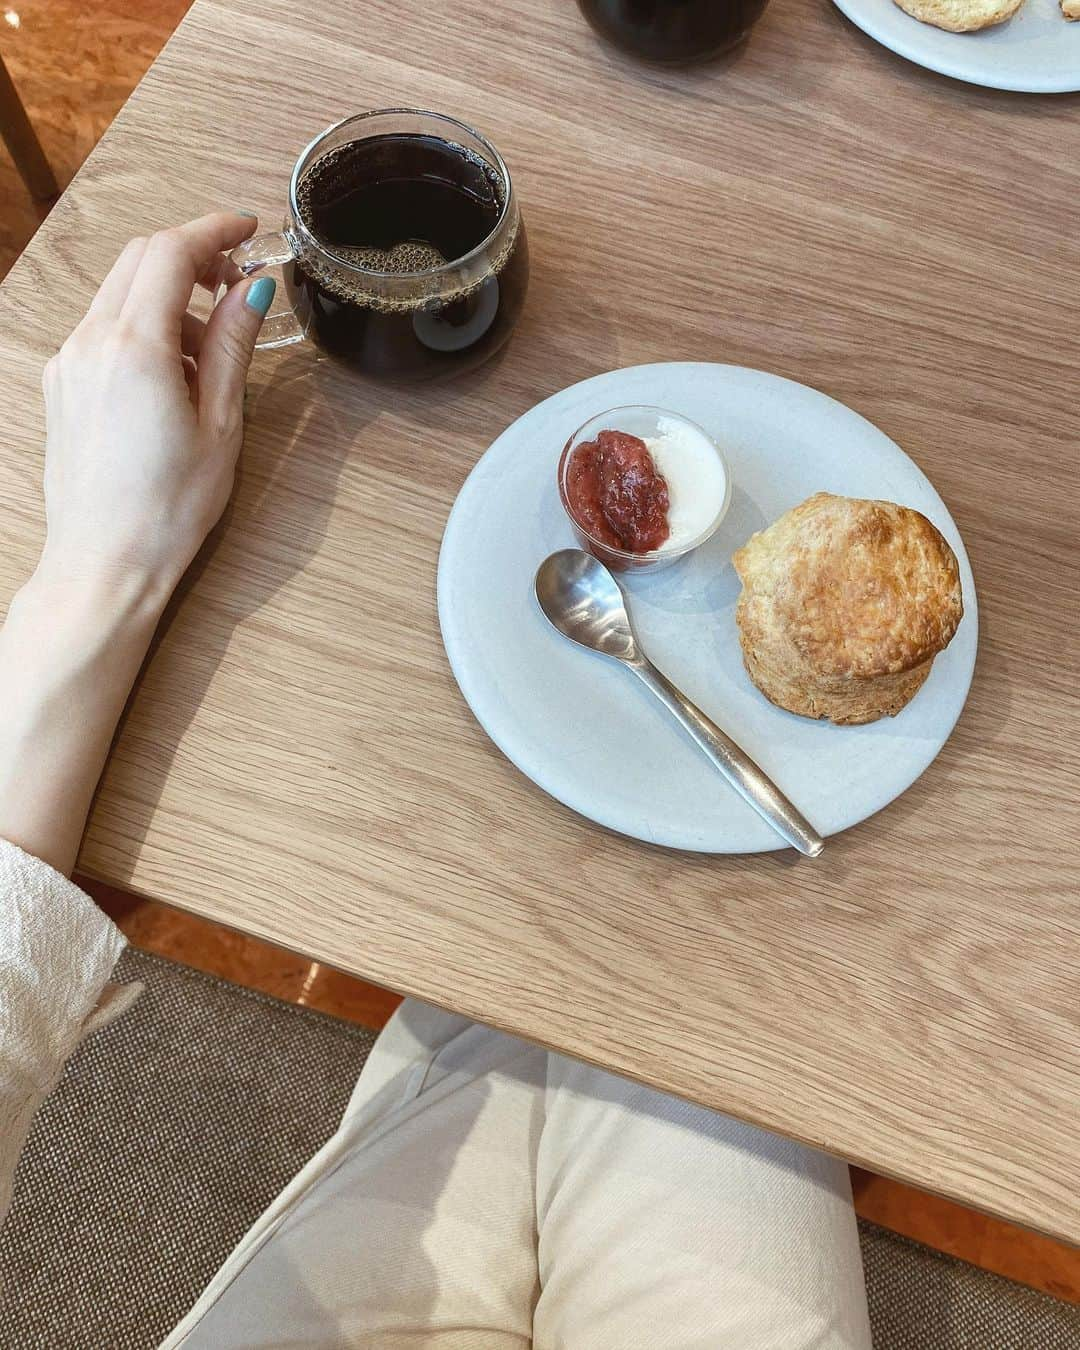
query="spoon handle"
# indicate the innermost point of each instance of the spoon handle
(734, 763)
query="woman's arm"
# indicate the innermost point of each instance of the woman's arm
(145, 414)
(69, 651)
(144, 409)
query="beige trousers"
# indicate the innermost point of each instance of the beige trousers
(482, 1194)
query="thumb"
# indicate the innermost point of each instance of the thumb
(226, 350)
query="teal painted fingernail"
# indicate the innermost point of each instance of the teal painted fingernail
(260, 294)
(251, 215)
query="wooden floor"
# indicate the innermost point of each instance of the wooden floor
(75, 62)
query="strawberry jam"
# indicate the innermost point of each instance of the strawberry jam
(616, 494)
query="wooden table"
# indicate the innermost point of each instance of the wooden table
(297, 761)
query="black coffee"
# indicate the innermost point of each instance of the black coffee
(405, 204)
(673, 31)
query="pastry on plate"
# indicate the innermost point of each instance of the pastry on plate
(962, 16)
(1071, 9)
(845, 603)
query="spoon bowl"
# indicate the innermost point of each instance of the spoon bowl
(581, 598)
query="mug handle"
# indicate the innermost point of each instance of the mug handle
(283, 327)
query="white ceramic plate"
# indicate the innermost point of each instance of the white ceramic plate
(1037, 51)
(582, 728)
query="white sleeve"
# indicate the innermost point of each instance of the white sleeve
(57, 950)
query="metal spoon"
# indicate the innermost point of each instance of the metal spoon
(581, 598)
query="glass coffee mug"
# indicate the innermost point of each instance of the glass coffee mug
(403, 251)
(673, 32)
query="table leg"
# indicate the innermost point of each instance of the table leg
(21, 140)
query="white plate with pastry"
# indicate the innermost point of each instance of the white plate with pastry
(593, 739)
(1028, 46)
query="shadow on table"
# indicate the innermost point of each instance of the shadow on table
(307, 418)
(295, 455)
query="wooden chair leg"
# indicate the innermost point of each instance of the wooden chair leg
(22, 141)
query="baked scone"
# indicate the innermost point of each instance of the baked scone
(962, 16)
(1071, 9)
(845, 603)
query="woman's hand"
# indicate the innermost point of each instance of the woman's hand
(144, 406)
(145, 416)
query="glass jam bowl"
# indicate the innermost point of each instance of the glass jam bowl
(695, 469)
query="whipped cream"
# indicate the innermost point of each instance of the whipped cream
(695, 476)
